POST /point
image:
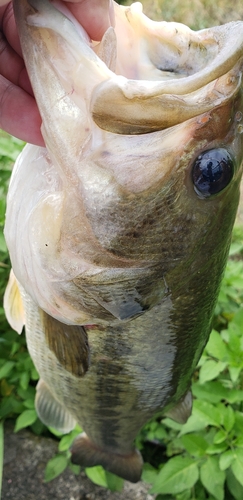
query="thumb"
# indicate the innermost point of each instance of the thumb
(96, 16)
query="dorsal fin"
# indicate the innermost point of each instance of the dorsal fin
(182, 410)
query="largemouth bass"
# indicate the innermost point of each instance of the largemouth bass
(119, 229)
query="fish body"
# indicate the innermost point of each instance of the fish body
(120, 241)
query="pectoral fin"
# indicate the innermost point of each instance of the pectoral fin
(69, 343)
(13, 304)
(182, 411)
(50, 411)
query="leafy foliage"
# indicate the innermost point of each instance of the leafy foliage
(201, 460)
(1, 455)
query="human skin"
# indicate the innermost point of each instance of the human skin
(19, 114)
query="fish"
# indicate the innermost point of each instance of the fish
(119, 228)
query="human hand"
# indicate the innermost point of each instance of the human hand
(19, 114)
(96, 16)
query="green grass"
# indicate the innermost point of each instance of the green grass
(197, 14)
(1, 456)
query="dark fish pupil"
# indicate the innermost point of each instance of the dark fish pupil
(212, 171)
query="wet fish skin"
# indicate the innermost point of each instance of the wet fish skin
(118, 254)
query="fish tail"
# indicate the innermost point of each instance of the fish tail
(85, 453)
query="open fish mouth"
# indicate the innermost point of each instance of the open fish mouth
(144, 75)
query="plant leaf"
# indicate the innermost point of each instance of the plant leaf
(25, 419)
(55, 466)
(1, 455)
(203, 414)
(228, 417)
(97, 475)
(213, 392)
(171, 424)
(149, 473)
(6, 369)
(238, 318)
(24, 380)
(195, 444)
(185, 495)
(220, 437)
(226, 459)
(216, 347)
(3, 246)
(114, 483)
(237, 465)
(210, 370)
(29, 403)
(213, 478)
(207, 412)
(235, 488)
(235, 396)
(234, 372)
(67, 440)
(177, 475)
(216, 449)
(74, 468)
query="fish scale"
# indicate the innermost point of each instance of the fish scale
(118, 250)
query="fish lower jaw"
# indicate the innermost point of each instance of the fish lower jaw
(85, 453)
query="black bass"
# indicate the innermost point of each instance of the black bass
(119, 229)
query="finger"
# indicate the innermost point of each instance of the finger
(19, 114)
(8, 27)
(12, 66)
(96, 16)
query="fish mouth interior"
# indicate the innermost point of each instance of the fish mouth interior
(161, 51)
(172, 53)
(173, 63)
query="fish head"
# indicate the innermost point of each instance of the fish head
(141, 171)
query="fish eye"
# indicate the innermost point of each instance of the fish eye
(212, 171)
